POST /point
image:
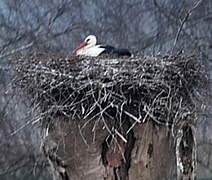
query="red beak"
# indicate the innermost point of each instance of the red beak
(83, 44)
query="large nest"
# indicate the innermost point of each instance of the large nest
(161, 88)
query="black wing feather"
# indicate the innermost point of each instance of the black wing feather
(113, 51)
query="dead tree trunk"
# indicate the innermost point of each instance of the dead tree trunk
(150, 153)
(153, 157)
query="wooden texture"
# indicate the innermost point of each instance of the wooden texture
(76, 154)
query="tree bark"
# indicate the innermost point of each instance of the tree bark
(78, 152)
(153, 156)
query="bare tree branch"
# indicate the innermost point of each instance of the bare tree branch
(188, 14)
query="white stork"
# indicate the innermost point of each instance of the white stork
(89, 48)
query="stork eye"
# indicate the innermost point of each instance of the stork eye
(87, 40)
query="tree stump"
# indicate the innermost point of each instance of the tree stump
(150, 153)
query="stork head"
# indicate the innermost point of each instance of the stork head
(87, 43)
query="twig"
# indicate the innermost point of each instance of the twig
(133, 117)
(17, 50)
(188, 14)
(120, 135)
(66, 30)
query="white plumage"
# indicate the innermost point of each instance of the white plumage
(89, 48)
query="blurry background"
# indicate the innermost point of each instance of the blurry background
(144, 26)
